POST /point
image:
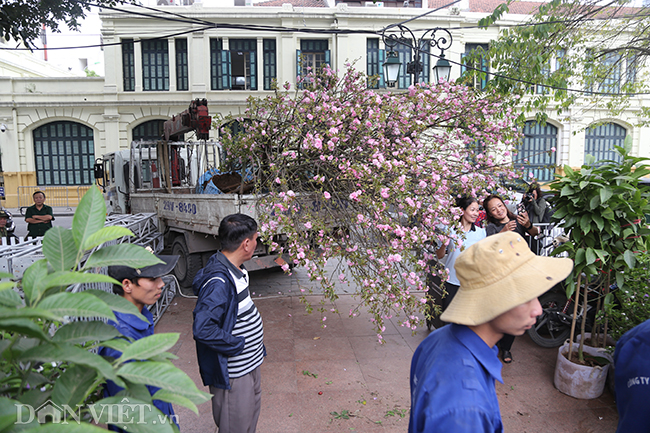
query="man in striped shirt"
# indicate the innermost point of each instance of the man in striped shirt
(228, 329)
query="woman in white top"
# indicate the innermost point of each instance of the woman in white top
(471, 235)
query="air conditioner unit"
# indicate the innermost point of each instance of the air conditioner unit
(374, 4)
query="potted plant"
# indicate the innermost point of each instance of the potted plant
(601, 210)
(50, 371)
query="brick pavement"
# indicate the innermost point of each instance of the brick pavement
(368, 380)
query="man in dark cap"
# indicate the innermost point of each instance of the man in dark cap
(141, 287)
(4, 233)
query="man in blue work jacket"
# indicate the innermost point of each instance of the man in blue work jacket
(228, 329)
(141, 287)
(454, 369)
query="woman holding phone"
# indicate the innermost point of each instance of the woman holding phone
(501, 220)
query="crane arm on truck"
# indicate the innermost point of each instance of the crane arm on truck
(195, 118)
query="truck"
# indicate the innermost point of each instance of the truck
(175, 180)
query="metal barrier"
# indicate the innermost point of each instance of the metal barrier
(56, 196)
(548, 238)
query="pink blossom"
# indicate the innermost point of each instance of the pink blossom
(327, 195)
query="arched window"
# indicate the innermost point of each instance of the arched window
(600, 141)
(151, 131)
(535, 155)
(64, 153)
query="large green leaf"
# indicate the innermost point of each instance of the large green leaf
(140, 416)
(117, 303)
(67, 278)
(83, 331)
(37, 313)
(176, 399)
(89, 216)
(33, 283)
(590, 256)
(605, 194)
(23, 326)
(119, 344)
(147, 347)
(122, 255)
(57, 352)
(630, 259)
(4, 275)
(106, 234)
(60, 249)
(69, 427)
(585, 223)
(76, 305)
(73, 385)
(9, 410)
(163, 375)
(10, 298)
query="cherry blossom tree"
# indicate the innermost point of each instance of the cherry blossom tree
(368, 179)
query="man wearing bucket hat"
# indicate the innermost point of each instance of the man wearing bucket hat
(454, 369)
(140, 287)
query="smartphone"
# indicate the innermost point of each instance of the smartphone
(520, 208)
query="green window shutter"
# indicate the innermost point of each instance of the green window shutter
(484, 67)
(225, 69)
(328, 58)
(253, 60)
(298, 68)
(382, 60)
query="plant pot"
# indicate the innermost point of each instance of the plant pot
(610, 340)
(580, 381)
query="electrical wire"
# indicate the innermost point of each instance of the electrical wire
(209, 25)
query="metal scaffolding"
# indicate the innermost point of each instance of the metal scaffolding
(15, 259)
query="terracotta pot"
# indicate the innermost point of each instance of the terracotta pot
(580, 381)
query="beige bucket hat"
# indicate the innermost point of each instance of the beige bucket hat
(499, 273)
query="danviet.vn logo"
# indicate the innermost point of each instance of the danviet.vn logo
(121, 414)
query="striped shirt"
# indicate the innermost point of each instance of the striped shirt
(249, 326)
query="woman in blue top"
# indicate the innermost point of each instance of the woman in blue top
(472, 234)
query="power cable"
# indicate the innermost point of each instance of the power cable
(208, 25)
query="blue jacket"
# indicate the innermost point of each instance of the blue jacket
(130, 326)
(452, 384)
(632, 379)
(215, 315)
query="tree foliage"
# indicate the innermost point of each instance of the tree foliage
(367, 180)
(48, 336)
(602, 211)
(23, 19)
(570, 54)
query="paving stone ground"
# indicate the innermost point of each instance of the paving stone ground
(365, 385)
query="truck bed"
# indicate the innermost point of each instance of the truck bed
(200, 213)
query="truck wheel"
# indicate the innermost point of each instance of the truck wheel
(188, 264)
(206, 256)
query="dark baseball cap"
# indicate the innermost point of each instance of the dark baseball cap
(126, 272)
(4, 214)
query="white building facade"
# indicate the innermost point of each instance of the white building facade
(157, 61)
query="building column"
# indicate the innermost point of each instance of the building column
(137, 62)
(171, 52)
(199, 70)
(260, 63)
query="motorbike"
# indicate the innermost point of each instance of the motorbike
(553, 327)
